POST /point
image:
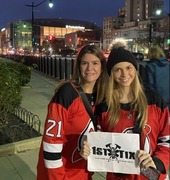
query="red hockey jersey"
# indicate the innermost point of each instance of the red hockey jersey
(66, 126)
(155, 137)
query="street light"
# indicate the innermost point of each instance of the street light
(32, 7)
(159, 12)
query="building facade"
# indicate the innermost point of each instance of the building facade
(135, 22)
(140, 10)
(17, 37)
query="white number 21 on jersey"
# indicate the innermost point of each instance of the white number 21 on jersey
(53, 124)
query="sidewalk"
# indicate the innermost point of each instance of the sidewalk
(36, 96)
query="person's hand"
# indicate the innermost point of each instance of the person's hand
(145, 160)
(85, 150)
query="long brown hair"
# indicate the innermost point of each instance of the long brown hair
(102, 81)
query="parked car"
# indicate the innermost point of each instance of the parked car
(138, 56)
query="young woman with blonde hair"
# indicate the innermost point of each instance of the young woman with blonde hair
(130, 109)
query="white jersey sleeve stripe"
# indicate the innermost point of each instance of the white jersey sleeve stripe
(164, 141)
(53, 164)
(53, 148)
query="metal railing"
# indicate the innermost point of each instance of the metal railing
(29, 118)
(60, 68)
(22, 125)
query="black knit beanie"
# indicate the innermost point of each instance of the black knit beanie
(118, 55)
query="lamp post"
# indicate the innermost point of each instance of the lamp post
(159, 12)
(32, 19)
(150, 33)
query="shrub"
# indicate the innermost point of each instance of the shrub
(24, 72)
(10, 90)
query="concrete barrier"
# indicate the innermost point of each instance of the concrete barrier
(20, 146)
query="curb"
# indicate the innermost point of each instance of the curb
(20, 146)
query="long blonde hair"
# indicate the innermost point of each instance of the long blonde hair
(138, 105)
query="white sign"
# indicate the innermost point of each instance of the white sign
(75, 27)
(113, 152)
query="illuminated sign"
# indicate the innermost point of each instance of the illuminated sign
(75, 27)
(51, 37)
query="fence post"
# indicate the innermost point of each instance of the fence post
(68, 67)
(45, 65)
(57, 67)
(43, 60)
(62, 67)
(40, 64)
(49, 66)
(53, 67)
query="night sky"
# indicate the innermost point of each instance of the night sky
(88, 10)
